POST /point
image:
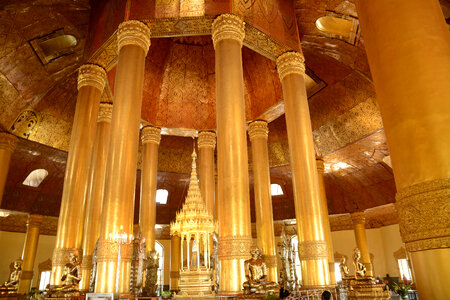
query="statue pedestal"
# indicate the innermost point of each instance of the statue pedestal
(195, 282)
(366, 288)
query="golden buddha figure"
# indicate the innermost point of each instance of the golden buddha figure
(360, 269)
(256, 274)
(343, 268)
(71, 277)
(11, 285)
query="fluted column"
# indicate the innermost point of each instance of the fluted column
(312, 247)
(206, 145)
(94, 199)
(150, 137)
(29, 252)
(326, 220)
(133, 39)
(234, 213)
(91, 81)
(410, 66)
(8, 143)
(359, 221)
(258, 133)
(174, 262)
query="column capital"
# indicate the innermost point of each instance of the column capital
(258, 129)
(358, 218)
(8, 141)
(150, 134)
(290, 63)
(228, 26)
(320, 166)
(105, 112)
(35, 220)
(91, 75)
(133, 32)
(206, 139)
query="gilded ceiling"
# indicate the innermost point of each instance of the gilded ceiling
(180, 83)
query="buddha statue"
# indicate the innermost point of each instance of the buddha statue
(256, 274)
(360, 269)
(71, 277)
(343, 268)
(11, 285)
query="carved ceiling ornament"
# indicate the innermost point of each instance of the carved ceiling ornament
(150, 134)
(228, 26)
(133, 32)
(105, 112)
(206, 138)
(91, 75)
(24, 124)
(8, 141)
(290, 63)
(258, 129)
(424, 215)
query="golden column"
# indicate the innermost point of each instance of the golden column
(410, 66)
(258, 133)
(94, 199)
(359, 220)
(312, 247)
(91, 81)
(29, 252)
(326, 221)
(206, 145)
(235, 236)
(133, 39)
(175, 262)
(150, 137)
(8, 143)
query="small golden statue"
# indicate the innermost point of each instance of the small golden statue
(256, 274)
(71, 278)
(12, 284)
(343, 268)
(360, 269)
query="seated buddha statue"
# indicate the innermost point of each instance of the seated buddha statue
(360, 269)
(71, 276)
(256, 274)
(343, 268)
(12, 284)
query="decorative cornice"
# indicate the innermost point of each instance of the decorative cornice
(258, 129)
(8, 141)
(35, 220)
(358, 218)
(105, 112)
(228, 26)
(133, 32)
(290, 63)
(423, 213)
(150, 134)
(91, 75)
(206, 139)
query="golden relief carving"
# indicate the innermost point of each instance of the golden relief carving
(133, 33)
(150, 134)
(311, 250)
(206, 139)
(262, 43)
(108, 251)
(290, 63)
(424, 215)
(105, 112)
(258, 129)
(8, 141)
(87, 262)
(228, 26)
(24, 124)
(91, 75)
(61, 255)
(235, 247)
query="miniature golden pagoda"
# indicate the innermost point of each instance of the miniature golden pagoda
(195, 225)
